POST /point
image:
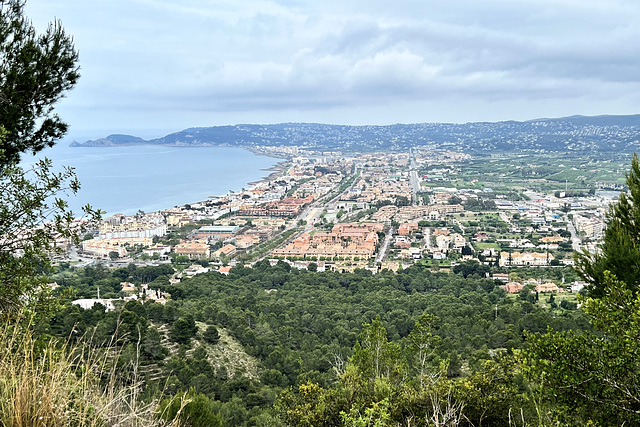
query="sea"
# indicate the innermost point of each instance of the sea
(151, 178)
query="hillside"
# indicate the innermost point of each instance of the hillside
(575, 133)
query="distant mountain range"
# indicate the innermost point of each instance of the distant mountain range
(575, 133)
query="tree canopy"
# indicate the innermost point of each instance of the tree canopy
(35, 72)
(620, 249)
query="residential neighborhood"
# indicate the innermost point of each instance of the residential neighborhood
(367, 211)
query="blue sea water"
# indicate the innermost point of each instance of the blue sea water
(150, 178)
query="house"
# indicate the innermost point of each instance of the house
(224, 270)
(406, 228)
(489, 252)
(161, 251)
(88, 303)
(216, 232)
(194, 250)
(441, 232)
(194, 270)
(526, 258)
(503, 277)
(552, 239)
(547, 287)
(513, 287)
(459, 241)
(154, 294)
(178, 219)
(226, 250)
(442, 242)
(102, 248)
(129, 288)
(481, 236)
(578, 286)
(246, 241)
(402, 245)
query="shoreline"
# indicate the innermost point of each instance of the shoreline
(223, 183)
(276, 171)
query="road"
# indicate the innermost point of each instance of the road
(427, 237)
(312, 212)
(576, 243)
(311, 215)
(385, 245)
(414, 180)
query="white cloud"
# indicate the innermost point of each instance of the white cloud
(298, 60)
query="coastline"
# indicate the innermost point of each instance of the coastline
(154, 179)
(276, 171)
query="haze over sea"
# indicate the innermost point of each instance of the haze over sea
(151, 178)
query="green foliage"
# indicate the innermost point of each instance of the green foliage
(183, 330)
(310, 406)
(494, 393)
(620, 249)
(470, 267)
(584, 371)
(375, 416)
(352, 339)
(479, 205)
(191, 409)
(151, 346)
(362, 398)
(595, 377)
(37, 69)
(32, 217)
(211, 335)
(422, 343)
(374, 356)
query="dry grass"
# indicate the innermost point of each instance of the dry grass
(65, 385)
(230, 353)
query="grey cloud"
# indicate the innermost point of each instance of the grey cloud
(247, 55)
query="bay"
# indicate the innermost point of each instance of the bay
(151, 178)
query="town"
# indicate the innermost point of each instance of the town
(342, 212)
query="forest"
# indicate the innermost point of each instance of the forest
(308, 336)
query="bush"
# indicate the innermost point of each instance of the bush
(211, 335)
(190, 409)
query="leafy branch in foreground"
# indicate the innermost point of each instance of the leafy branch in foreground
(619, 252)
(35, 222)
(579, 372)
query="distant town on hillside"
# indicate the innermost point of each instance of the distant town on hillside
(576, 134)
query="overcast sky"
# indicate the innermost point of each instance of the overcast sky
(154, 66)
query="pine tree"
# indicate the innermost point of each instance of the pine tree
(35, 72)
(619, 252)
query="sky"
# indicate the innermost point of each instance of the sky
(150, 67)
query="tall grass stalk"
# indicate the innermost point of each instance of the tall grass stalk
(62, 384)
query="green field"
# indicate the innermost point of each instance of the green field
(539, 172)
